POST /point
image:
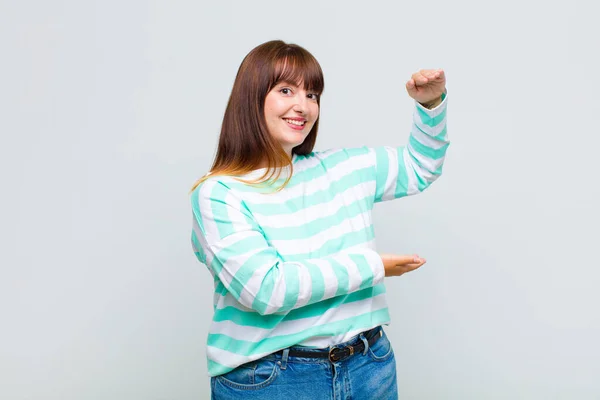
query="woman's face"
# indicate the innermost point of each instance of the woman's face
(290, 112)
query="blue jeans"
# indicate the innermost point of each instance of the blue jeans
(370, 375)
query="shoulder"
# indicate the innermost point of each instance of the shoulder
(215, 189)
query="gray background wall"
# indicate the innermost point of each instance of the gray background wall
(110, 110)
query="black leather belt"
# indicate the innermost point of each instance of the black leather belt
(338, 353)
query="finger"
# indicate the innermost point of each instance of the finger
(433, 74)
(420, 79)
(406, 260)
(429, 73)
(410, 85)
(411, 267)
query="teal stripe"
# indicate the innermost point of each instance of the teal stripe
(416, 161)
(402, 179)
(336, 245)
(194, 198)
(440, 136)
(383, 166)
(292, 286)
(426, 119)
(243, 246)
(321, 197)
(198, 251)
(267, 256)
(262, 298)
(220, 210)
(215, 369)
(321, 307)
(428, 151)
(424, 184)
(220, 288)
(365, 271)
(343, 279)
(247, 348)
(249, 318)
(321, 224)
(317, 282)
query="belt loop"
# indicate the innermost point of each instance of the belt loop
(366, 342)
(284, 358)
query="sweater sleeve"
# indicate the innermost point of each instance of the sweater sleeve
(410, 169)
(238, 254)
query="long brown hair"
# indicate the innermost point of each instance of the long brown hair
(245, 143)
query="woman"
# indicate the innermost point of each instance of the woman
(287, 235)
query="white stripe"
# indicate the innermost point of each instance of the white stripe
(202, 240)
(427, 140)
(354, 278)
(224, 244)
(413, 184)
(235, 213)
(252, 287)
(277, 296)
(376, 263)
(428, 165)
(392, 177)
(305, 286)
(231, 266)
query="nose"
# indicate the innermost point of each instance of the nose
(301, 103)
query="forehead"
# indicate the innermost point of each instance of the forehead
(300, 73)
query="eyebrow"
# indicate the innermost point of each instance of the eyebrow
(287, 83)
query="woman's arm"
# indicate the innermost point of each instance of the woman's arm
(237, 253)
(410, 169)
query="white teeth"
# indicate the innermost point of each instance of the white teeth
(294, 122)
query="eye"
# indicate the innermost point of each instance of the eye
(313, 96)
(285, 91)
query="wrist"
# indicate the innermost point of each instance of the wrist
(432, 103)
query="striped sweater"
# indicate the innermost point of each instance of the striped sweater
(299, 266)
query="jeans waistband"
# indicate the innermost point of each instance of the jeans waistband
(340, 351)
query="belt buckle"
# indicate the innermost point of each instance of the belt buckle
(333, 353)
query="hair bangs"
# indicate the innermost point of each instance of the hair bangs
(300, 68)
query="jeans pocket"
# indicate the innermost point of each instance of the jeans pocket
(381, 349)
(254, 375)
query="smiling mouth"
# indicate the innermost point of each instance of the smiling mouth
(294, 122)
